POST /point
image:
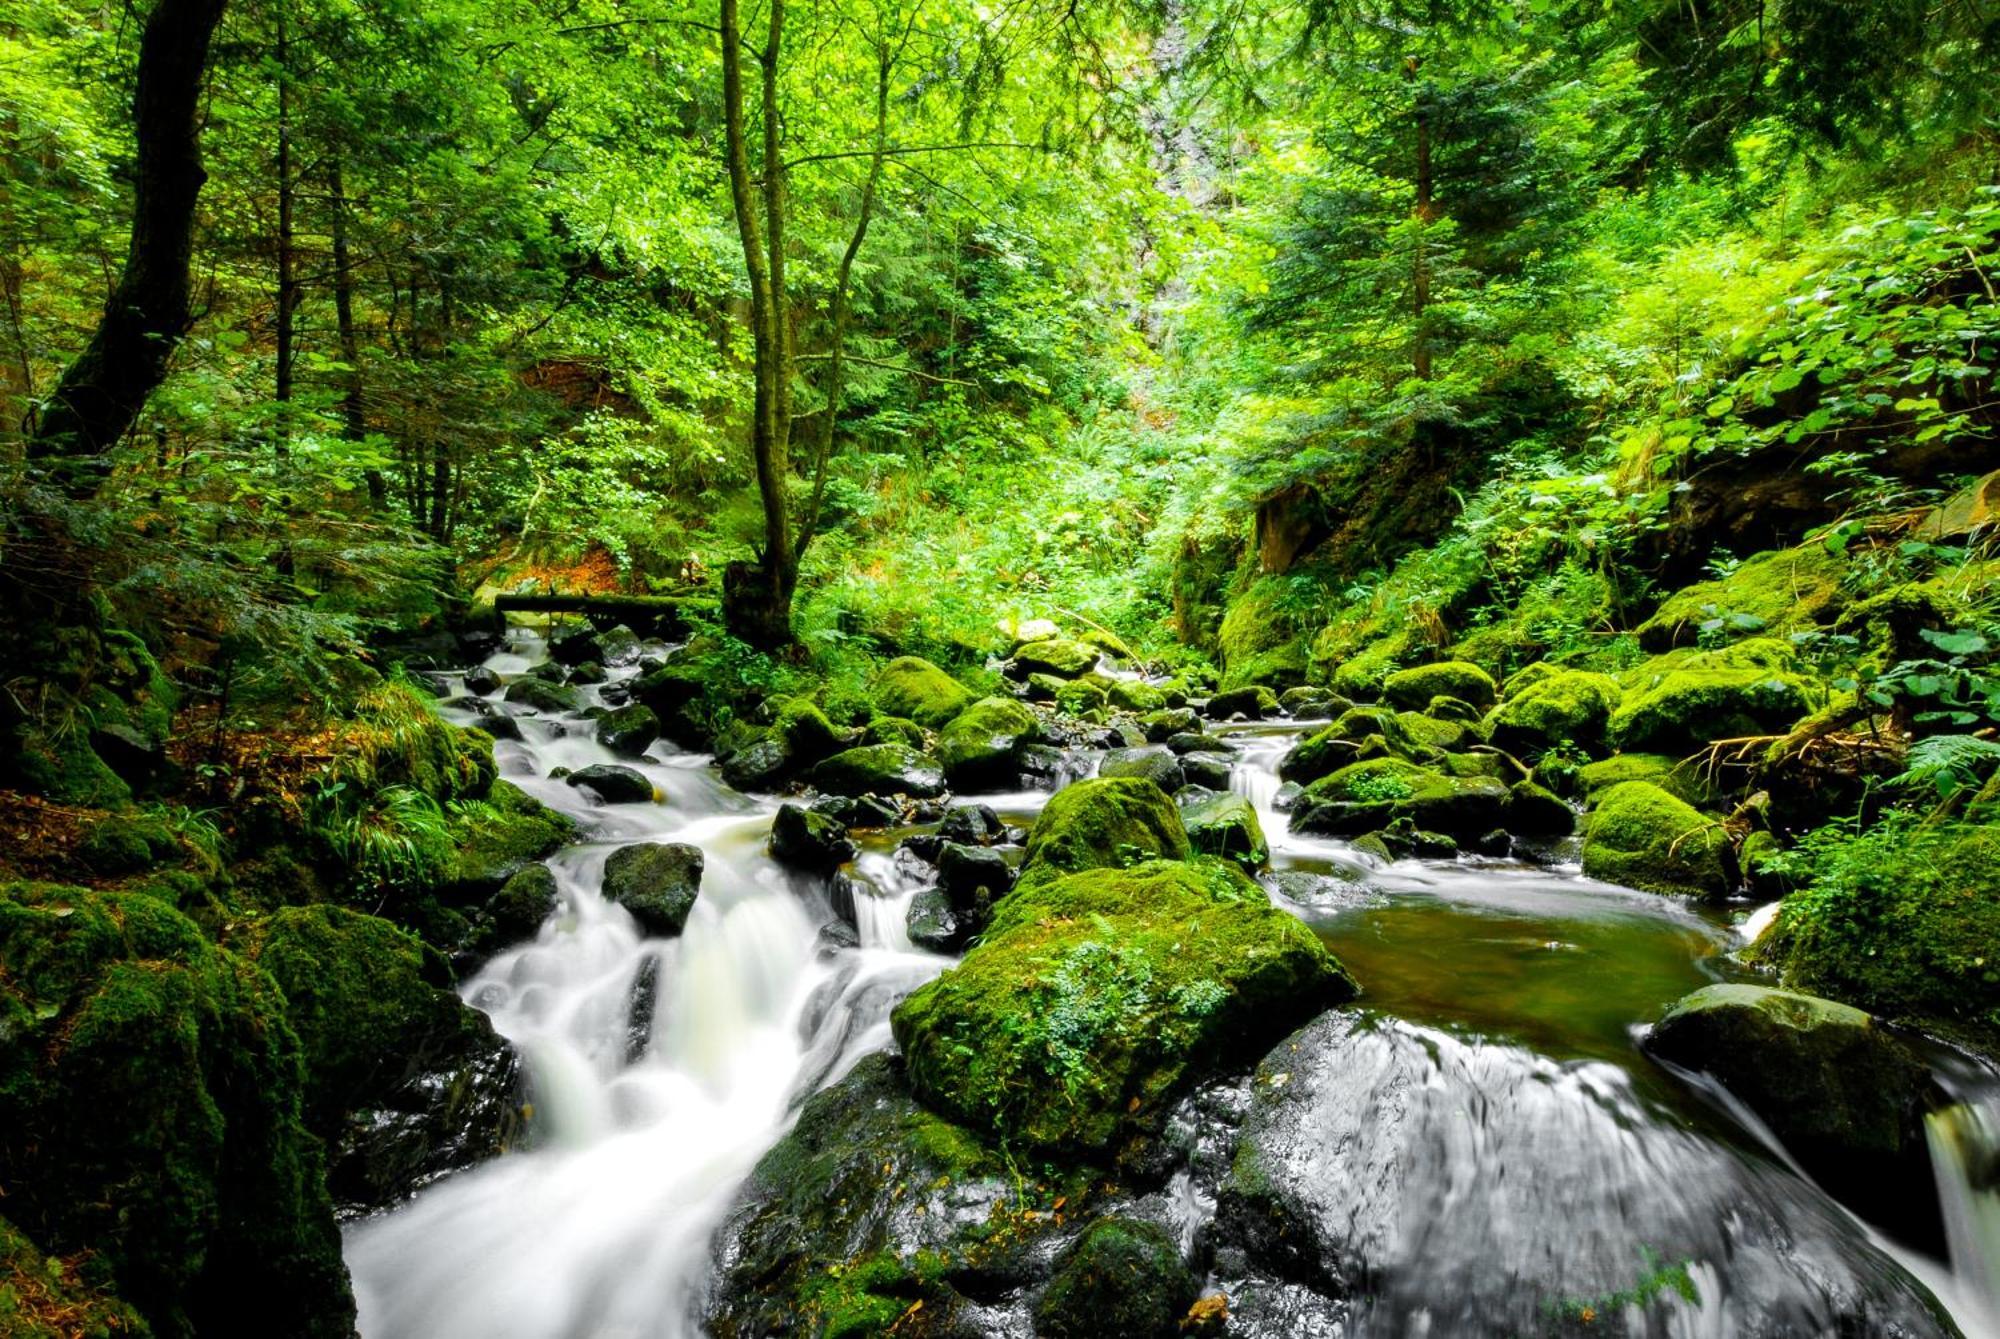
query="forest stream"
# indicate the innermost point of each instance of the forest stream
(1493, 1132)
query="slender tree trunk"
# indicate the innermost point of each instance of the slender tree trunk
(757, 597)
(836, 366)
(102, 392)
(288, 283)
(353, 405)
(1420, 278)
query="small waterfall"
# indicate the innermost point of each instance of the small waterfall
(882, 900)
(1965, 1156)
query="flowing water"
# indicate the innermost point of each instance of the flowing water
(1530, 982)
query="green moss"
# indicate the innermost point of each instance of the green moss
(914, 688)
(1783, 591)
(1684, 699)
(494, 840)
(63, 768)
(153, 1086)
(1260, 644)
(1376, 792)
(1222, 823)
(1412, 689)
(982, 743)
(127, 844)
(1079, 697)
(1124, 1276)
(879, 769)
(1095, 998)
(1682, 779)
(1135, 695)
(1360, 675)
(1902, 921)
(1428, 732)
(396, 738)
(1558, 707)
(807, 731)
(893, 730)
(1107, 822)
(1643, 837)
(1058, 656)
(43, 1298)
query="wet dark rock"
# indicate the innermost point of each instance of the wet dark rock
(1498, 843)
(1193, 741)
(620, 646)
(973, 878)
(511, 915)
(1161, 726)
(1123, 1276)
(549, 671)
(879, 769)
(629, 731)
(480, 679)
(835, 936)
(1846, 1096)
(615, 694)
(575, 645)
(136, 758)
(1252, 703)
(1155, 764)
(810, 841)
(924, 846)
(548, 698)
(1208, 770)
(589, 672)
(657, 882)
(612, 783)
(934, 923)
(761, 765)
(641, 1002)
(1222, 823)
(873, 811)
(1355, 1178)
(501, 726)
(971, 825)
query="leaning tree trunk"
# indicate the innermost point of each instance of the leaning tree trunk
(101, 393)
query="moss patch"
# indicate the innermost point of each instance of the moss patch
(1643, 837)
(1105, 823)
(917, 690)
(1783, 591)
(1685, 699)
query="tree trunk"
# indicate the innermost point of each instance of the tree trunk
(757, 597)
(1420, 278)
(288, 283)
(353, 406)
(102, 392)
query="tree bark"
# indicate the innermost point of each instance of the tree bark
(1420, 278)
(353, 405)
(102, 392)
(757, 596)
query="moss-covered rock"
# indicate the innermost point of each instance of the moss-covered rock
(119, 844)
(1222, 823)
(1319, 754)
(657, 882)
(893, 730)
(917, 690)
(52, 1298)
(1371, 794)
(612, 783)
(1359, 673)
(1424, 732)
(1081, 697)
(810, 841)
(1154, 762)
(1260, 644)
(1412, 689)
(550, 699)
(1782, 591)
(1536, 811)
(495, 840)
(1160, 726)
(982, 744)
(1107, 822)
(1643, 837)
(1685, 699)
(1682, 779)
(1135, 695)
(510, 916)
(1844, 1095)
(153, 1086)
(1561, 707)
(879, 769)
(1902, 921)
(1058, 656)
(1095, 998)
(1123, 1276)
(629, 731)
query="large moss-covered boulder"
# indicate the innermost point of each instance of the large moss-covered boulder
(1902, 921)
(1259, 641)
(657, 882)
(1782, 591)
(1222, 823)
(810, 841)
(1057, 656)
(550, 699)
(629, 731)
(1564, 707)
(1253, 702)
(1845, 1096)
(1685, 699)
(1681, 778)
(495, 840)
(1374, 793)
(879, 769)
(1123, 1276)
(917, 690)
(981, 746)
(404, 1080)
(613, 783)
(153, 1095)
(1413, 689)
(1107, 822)
(1643, 837)
(1096, 998)
(1153, 762)
(1135, 695)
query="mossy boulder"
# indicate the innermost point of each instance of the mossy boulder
(917, 690)
(495, 840)
(1782, 591)
(1371, 794)
(629, 731)
(1094, 999)
(1643, 837)
(550, 699)
(798, 736)
(1160, 726)
(879, 769)
(119, 844)
(1260, 643)
(1082, 697)
(1412, 689)
(1685, 780)
(153, 1091)
(1123, 1276)
(510, 916)
(982, 744)
(612, 783)
(1425, 732)
(1154, 762)
(1562, 707)
(810, 841)
(893, 730)
(1902, 921)
(1845, 1096)
(1106, 822)
(1319, 754)
(1222, 823)
(1253, 702)
(657, 882)
(1058, 656)
(1536, 811)
(1359, 674)
(1685, 699)
(404, 1080)
(1135, 695)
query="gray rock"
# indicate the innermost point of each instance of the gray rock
(656, 882)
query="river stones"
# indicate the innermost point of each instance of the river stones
(1476, 1190)
(1057, 656)
(1412, 689)
(1845, 1096)
(972, 825)
(510, 915)
(1223, 824)
(575, 646)
(551, 699)
(1123, 1276)
(915, 689)
(1642, 837)
(629, 731)
(1156, 764)
(1252, 703)
(479, 679)
(1211, 771)
(612, 783)
(814, 842)
(657, 882)
(879, 769)
(1365, 796)
(1105, 822)
(1561, 707)
(981, 745)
